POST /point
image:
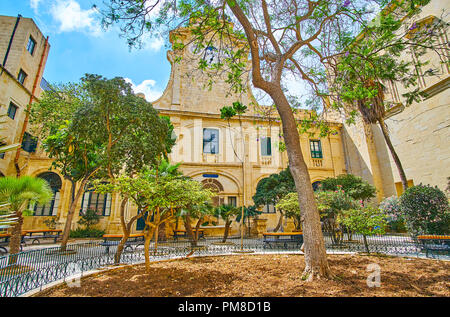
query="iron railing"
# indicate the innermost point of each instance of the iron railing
(34, 269)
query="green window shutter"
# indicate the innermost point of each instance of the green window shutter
(316, 149)
(266, 146)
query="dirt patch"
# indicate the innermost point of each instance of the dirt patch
(266, 276)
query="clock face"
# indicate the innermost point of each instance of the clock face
(209, 54)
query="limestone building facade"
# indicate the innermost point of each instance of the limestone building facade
(231, 157)
(420, 132)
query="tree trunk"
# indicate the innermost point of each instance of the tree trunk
(70, 214)
(125, 230)
(192, 236)
(16, 239)
(315, 254)
(162, 236)
(280, 222)
(148, 238)
(397, 162)
(374, 162)
(227, 229)
(314, 245)
(366, 245)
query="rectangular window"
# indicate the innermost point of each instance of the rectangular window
(232, 201)
(266, 147)
(31, 45)
(12, 109)
(29, 143)
(316, 148)
(269, 209)
(100, 203)
(21, 77)
(210, 141)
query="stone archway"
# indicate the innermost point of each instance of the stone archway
(215, 186)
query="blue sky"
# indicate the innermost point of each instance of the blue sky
(79, 45)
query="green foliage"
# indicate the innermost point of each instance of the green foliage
(99, 126)
(289, 205)
(89, 218)
(162, 187)
(249, 212)
(227, 112)
(353, 185)
(19, 193)
(426, 210)
(390, 206)
(271, 189)
(226, 212)
(367, 220)
(332, 203)
(7, 218)
(86, 233)
(376, 57)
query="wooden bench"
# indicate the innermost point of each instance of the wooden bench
(183, 233)
(37, 234)
(111, 240)
(435, 243)
(4, 242)
(284, 238)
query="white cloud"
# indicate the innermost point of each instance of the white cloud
(34, 4)
(72, 18)
(147, 87)
(154, 44)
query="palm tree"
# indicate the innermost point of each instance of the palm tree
(226, 212)
(18, 193)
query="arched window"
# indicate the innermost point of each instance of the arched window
(215, 186)
(101, 203)
(316, 185)
(50, 208)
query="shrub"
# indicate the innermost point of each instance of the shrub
(354, 186)
(366, 221)
(89, 218)
(391, 208)
(426, 210)
(86, 233)
(51, 222)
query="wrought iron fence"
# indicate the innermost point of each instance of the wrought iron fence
(34, 269)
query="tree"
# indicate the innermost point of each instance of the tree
(226, 212)
(227, 113)
(159, 196)
(289, 204)
(331, 204)
(249, 212)
(19, 193)
(273, 188)
(367, 221)
(359, 75)
(354, 186)
(196, 210)
(98, 128)
(281, 39)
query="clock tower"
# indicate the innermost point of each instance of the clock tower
(195, 84)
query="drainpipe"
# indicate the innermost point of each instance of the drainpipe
(27, 113)
(10, 43)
